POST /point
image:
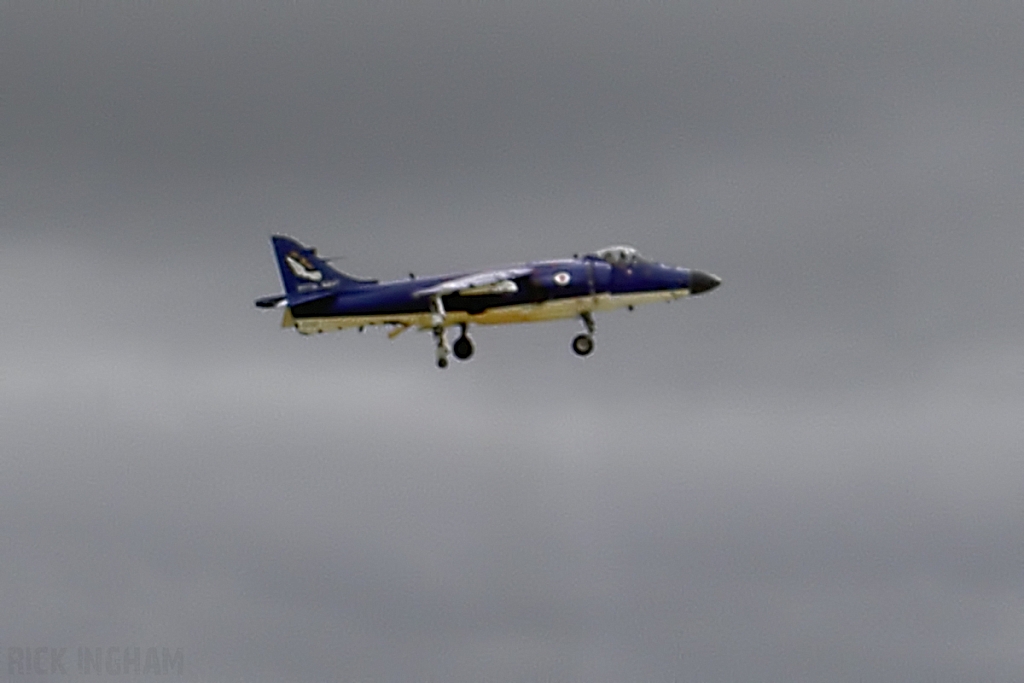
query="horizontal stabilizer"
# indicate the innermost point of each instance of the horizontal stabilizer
(271, 301)
(293, 299)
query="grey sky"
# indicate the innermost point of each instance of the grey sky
(814, 473)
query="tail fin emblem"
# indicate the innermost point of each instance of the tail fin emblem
(302, 268)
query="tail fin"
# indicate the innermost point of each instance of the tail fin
(303, 272)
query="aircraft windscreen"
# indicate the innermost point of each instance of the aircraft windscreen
(620, 255)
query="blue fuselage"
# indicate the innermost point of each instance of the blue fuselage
(546, 281)
(319, 298)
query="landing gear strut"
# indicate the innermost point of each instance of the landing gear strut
(442, 347)
(583, 344)
(437, 321)
(463, 347)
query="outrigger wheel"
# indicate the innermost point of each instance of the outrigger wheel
(463, 347)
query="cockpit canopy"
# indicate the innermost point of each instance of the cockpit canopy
(619, 255)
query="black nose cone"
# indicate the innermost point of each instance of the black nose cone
(701, 282)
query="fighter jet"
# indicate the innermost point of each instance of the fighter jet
(320, 298)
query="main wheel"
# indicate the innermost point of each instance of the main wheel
(463, 347)
(442, 362)
(583, 344)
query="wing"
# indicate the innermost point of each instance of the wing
(487, 282)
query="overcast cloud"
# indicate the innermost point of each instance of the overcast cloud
(815, 473)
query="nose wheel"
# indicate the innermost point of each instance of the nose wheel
(583, 344)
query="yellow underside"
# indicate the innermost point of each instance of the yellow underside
(525, 313)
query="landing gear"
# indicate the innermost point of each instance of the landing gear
(437, 315)
(583, 344)
(463, 348)
(442, 347)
